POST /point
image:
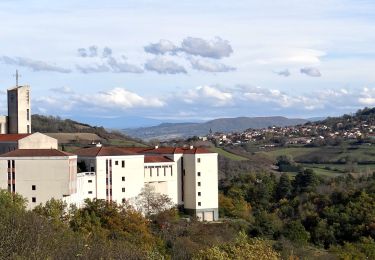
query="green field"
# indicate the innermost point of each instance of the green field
(228, 155)
(330, 160)
(125, 143)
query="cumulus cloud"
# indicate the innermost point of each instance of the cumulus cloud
(367, 97)
(164, 66)
(34, 65)
(206, 65)
(121, 98)
(161, 47)
(91, 51)
(208, 95)
(216, 49)
(108, 62)
(122, 66)
(107, 52)
(310, 71)
(284, 73)
(62, 90)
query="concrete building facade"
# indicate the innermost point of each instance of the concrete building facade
(188, 176)
(39, 174)
(19, 110)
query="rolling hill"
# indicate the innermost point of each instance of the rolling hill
(182, 130)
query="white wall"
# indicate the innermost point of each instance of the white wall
(38, 141)
(52, 176)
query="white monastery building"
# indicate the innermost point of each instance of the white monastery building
(32, 166)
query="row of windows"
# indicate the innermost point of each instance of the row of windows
(122, 163)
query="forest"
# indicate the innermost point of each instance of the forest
(263, 216)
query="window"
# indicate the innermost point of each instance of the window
(123, 178)
(33, 187)
(199, 183)
(199, 204)
(123, 164)
(123, 200)
(28, 114)
(198, 160)
(116, 162)
(123, 189)
(90, 192)
(199, 173)
(33, 199)
(9, 187)
(28, 129)
(199, 193)
(92, 168)
(89, 181)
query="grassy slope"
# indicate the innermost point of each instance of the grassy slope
(360, 154)
(228, 155)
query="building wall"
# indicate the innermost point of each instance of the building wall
(38, 141)
(53, 177)
(163, 177)
(130, 177)
(86, 187)
(201, 184)
(19, 110)
(3, 125)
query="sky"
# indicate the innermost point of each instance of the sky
(190, 60)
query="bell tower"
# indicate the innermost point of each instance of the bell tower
(19, 110)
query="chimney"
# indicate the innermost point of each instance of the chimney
(191, 147)
(156, 146)
(98, 144)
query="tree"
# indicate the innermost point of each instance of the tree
(284, 187)
(243, 249)
(150, 202)
(296, 232)
(305, 181)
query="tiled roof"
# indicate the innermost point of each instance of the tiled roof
(103, 151)
(174, 150)
(36, 153)
(12, 137)
(156, 159)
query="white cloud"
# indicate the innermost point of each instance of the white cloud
(122, 66)
(285, 73)
(216, 48)
(162, 47)
(34, 65)
(310, 71)
(164, 66)
(121, 98)
(91, 51)
(367, 97)
(208, 95)
(209, 66)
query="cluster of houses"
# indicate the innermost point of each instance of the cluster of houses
(32, 165)
(301, 134)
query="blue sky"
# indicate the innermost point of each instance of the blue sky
(190, 60)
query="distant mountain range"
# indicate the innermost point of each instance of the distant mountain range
(166, 131)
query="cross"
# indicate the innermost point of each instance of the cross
(17, 77)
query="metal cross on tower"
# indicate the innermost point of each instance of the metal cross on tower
(17, 77)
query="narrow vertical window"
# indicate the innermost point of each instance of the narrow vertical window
(28, 114)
